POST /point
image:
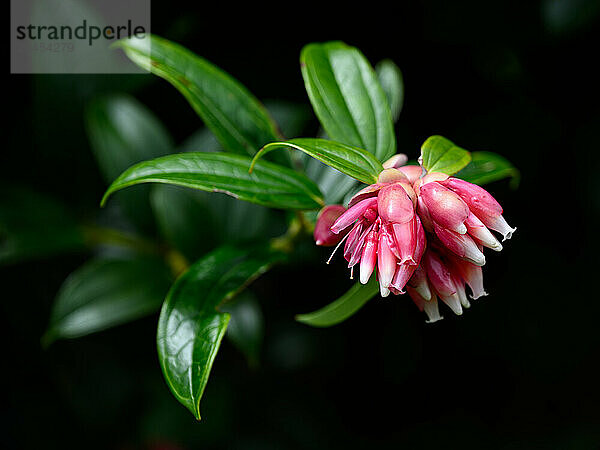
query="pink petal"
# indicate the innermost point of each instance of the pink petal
(386, 262)
(406, 239)
(368, 257)
(350, 216)
(439, 275)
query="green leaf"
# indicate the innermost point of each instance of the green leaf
(123, 132)
(347, 97)
(246, 327)
(354, 162)
(240, 123)
(107, 292)
(184, 219)
(191, 327)
(344, 307)
(390, 78)
(33, 225)
(269, 185)
(441, 155)
(486, 167)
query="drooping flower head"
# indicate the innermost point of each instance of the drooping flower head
(421, 233)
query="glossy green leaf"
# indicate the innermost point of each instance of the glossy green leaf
(33, 225)
(123, 132)
(347, 97)
(344, 307)
(107, 292)
(268, 185)
(392, 83)
(486, 167)
(354, 162)
(240, 123)
(441, 155)
(191, 327)
(246, 326)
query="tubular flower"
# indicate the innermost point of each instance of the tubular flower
(420, 233)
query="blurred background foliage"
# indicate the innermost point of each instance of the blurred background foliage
(519, 370)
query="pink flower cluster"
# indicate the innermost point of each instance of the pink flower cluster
(423, 233)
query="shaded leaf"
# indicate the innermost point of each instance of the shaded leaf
(107, 292)
(347, 97)
(269, 184)
(246, 326)
(392, 83)
(354, 162)
(441, 155)
(123, 132)
(191, 327)
(344, 307)
(33, 225)
(486, 167)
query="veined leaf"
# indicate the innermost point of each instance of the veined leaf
(269, 185)
(191, 327)
(107, 292)
(238, 120)
(352, 161)
(486, 167)
(441, 155)
(347, 97)
(391, 80)
(344, 307)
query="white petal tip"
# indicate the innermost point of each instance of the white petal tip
(384, 291)
(319, 242)
(434, 319)
(462, 229)
(509, 234)
(482, 294)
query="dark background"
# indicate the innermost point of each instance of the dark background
(519, 370)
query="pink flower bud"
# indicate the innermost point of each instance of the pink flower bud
(478, 199)
(445, 207)
(369, 256)
(327, 216)
(394, 204)
(482, 204)
(413, 173)
(350, 216)
(460, 244)
(399, 159)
